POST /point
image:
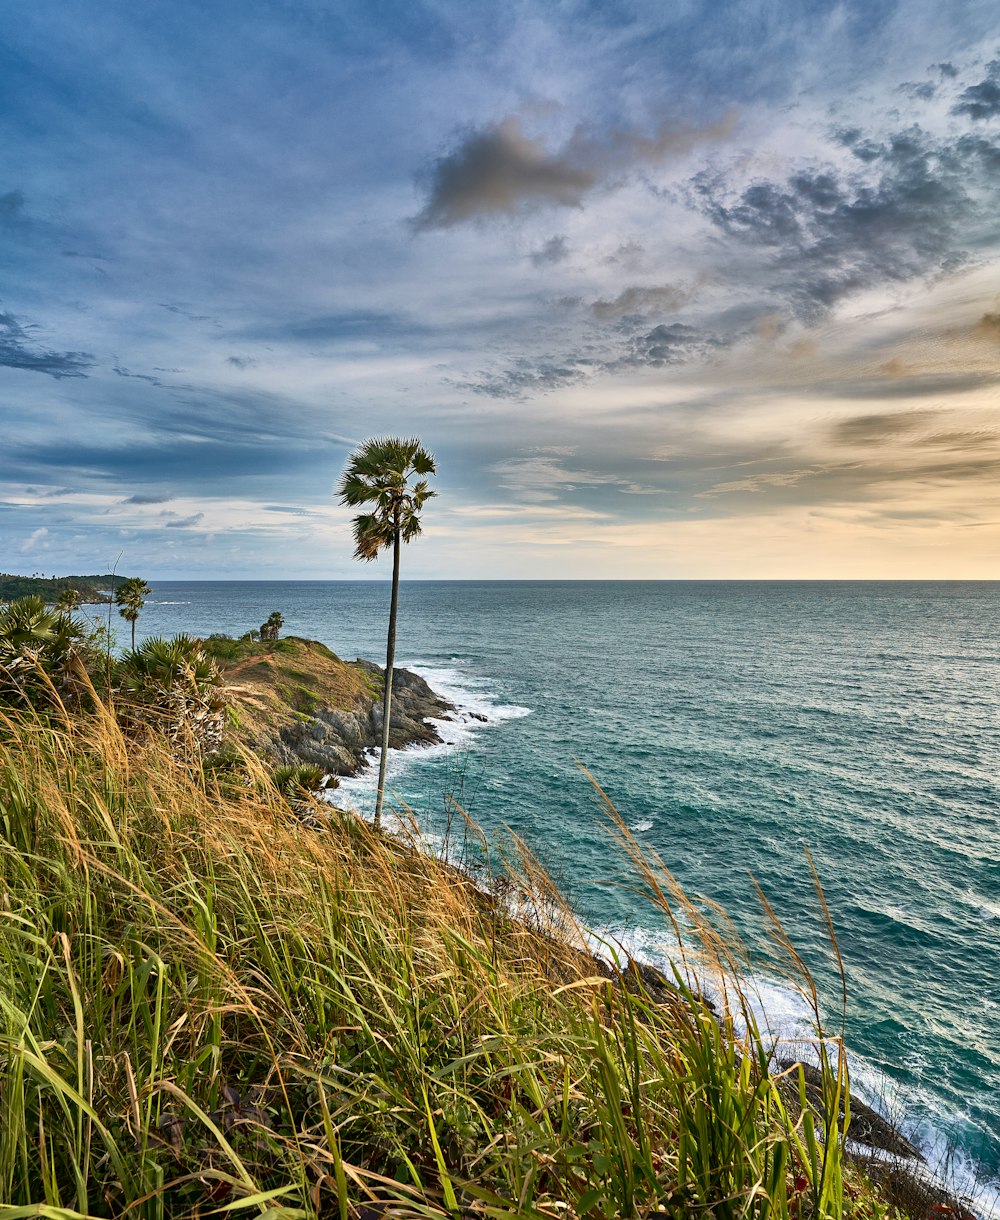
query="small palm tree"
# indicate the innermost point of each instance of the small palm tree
(68, 600)
(36, 639)
(380, 474)
(130, 597)
(180, 684)
(269, 630)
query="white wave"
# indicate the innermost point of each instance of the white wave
(477, 707)
(639, 827)
(787, 1023)
(171, 603)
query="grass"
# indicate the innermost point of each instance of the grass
(209, 1008)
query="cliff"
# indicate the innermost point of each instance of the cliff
(297, 701)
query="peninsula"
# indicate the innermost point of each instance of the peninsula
(92, 589)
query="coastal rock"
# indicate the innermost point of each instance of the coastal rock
(297, 701)
(867, 1127)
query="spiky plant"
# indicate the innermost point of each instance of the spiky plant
(178, 681)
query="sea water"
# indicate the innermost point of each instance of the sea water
(733, 726)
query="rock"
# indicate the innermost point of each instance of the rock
(866, 1127)
(297, 701)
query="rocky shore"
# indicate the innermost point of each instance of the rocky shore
(339, 739)
(296, 701)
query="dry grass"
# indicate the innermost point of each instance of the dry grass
(207, 1007)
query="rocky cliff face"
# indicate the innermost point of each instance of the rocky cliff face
(296, 701)
(338, 739)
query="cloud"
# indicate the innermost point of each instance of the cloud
(526, 377)
(879, 428)
(629, 255)
(554, 250)
(123, 372)
(913, 206)
(191, 317)
(988, 326)
(982, 101)
(661, 298)
(540, 477)
(673, 344)
(183, 523)
(146, 497)
(500, 169)
(755, 483)
(241, 362)
(286, 508)
(16, 352)
(33, 540)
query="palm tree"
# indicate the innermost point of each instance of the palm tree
(130, 597)
(270, 629)
(178, 681)
(68, 600)
(379, 474)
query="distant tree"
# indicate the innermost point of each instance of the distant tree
(68, 600)
(380, 473)
(130, 597)
(269, 630)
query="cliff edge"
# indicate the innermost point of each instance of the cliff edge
(297, 701)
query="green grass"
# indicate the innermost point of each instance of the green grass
(207, 1007)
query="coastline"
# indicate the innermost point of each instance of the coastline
(918, 1169)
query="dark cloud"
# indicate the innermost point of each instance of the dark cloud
(921, 92)
(855, 482)
(241, 362)
(988, 326)
(183, 523)
(916, 385)
(17, 352)
(630, 255)
(123, 372)
(982, 101)
(881, 428)
(500, 169)
(826, 233)
(663, 345)
(147, 497)
(673, 344)
(226, 461)
(525, 378)
(971, 439)
(191, 317)
(639, 300)
(948, 71)
(49, 493)
(286, 508)
(554, 250)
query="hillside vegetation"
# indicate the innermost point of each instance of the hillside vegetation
(295, 701)
(208, 1006)
(90, 588)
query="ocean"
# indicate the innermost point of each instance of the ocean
(734, 725)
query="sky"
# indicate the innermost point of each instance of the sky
(685, 290)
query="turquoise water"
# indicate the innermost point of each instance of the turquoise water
(730, 723)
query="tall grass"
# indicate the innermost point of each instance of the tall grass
(208, 1007)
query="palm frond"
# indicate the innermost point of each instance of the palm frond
(378, 475)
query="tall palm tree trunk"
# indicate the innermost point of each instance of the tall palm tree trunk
(133, 635)
(390, 656)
